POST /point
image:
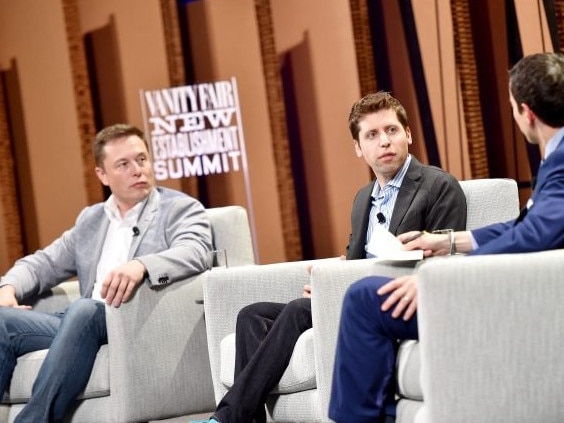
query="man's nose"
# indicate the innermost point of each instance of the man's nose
(136, 168)
(384, 141)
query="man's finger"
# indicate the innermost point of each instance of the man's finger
(111, 289)
(121, 290)
(128, 292)
(410, 312)
(389, 287)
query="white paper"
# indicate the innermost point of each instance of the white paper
(386, 246)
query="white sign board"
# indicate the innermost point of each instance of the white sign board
(196, 130)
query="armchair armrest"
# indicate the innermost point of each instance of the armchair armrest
(57, 299)
(491, 335)
(330, 282)
(226, 291)
(158, 353)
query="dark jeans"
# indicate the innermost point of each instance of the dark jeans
(73, 339)
(363, 387)
(265, 337)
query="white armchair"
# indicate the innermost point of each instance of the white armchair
(303, 393)
(155, 365)
(491, 332)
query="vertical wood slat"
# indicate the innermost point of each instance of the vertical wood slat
(363, 50)
(363, 47)
(83, 99)
(277, 114)
(559, 12)
(175, 63)
(8, 189)
(468, 76)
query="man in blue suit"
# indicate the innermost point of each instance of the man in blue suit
(141, 235)
(378, 311)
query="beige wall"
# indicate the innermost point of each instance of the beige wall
(320, 32)
(327, 86)
(33, 34)
(317, 37)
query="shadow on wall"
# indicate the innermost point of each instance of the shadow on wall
(314, 212)
(106, 84)
(17, 190)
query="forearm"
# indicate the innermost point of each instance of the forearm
(450, 243)
(463, 242)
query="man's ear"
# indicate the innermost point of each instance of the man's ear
(357, 149)
(528, 113)
(101, 174)
(408, 135)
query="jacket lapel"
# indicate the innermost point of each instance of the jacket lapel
(145, 218)
(409, 187)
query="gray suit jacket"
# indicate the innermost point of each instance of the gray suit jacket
(429, 199)
(174, 236)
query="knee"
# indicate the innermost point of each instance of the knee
(249, 313)
(9, 319)
(85, 314)
(299, 307)
(85, 309)
(364, 292)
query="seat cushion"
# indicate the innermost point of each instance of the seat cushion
(28, 366)
(299, 375)
(408, 370)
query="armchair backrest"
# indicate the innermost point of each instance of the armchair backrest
(231, 232)
(490, 201)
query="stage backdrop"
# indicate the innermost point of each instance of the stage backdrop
(196, 130)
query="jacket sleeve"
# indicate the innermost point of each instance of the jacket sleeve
(38, 272)
(541, 229)
(447, 205)
(187, 239)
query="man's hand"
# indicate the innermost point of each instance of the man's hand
(403, 294)
(120, 283)
(8, 298)
(306, 293)
(431, 244)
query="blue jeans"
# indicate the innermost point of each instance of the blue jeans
(363, 388)
(73, 339)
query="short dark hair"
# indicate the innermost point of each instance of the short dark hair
(110, 133)
(373, 103)
(537, 80)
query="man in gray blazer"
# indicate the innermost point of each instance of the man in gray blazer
(140, 234)
(405, 195)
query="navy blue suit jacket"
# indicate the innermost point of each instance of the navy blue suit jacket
(541, 226)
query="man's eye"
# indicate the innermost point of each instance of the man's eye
(392, 130)
(122, 165)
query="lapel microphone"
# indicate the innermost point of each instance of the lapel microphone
(381, 218)
(136, 231)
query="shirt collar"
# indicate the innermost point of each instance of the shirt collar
(396, 181)
(130, 218)
(553, 143)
